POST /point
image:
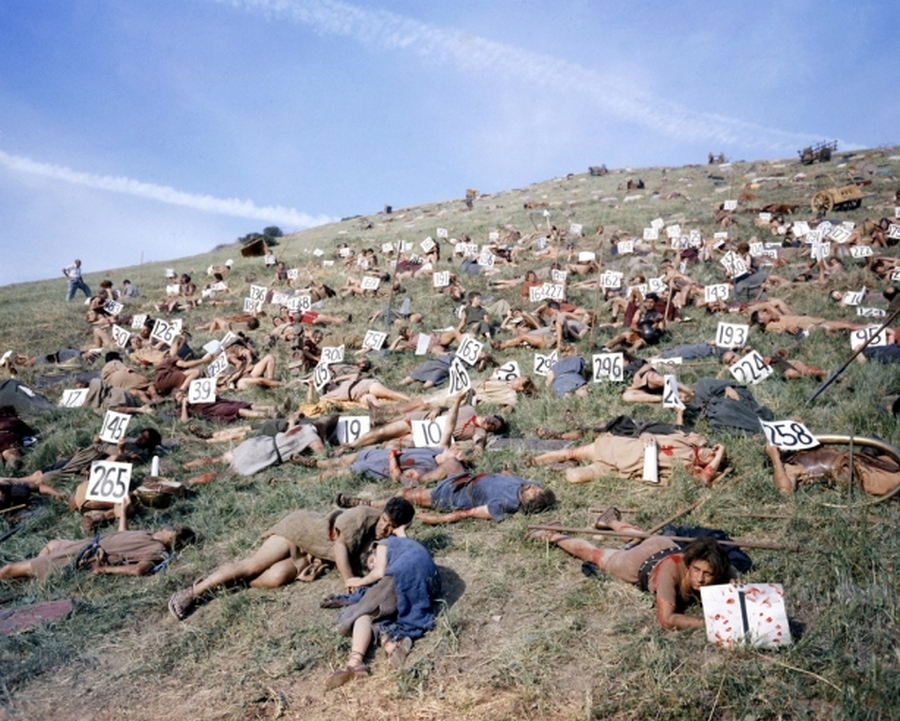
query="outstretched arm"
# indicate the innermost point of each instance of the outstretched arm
(431, 519)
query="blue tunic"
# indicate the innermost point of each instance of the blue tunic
(498, 492)
(373, 462)
(568, 375)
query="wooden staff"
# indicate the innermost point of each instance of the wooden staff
(742, 542)
(13, 508)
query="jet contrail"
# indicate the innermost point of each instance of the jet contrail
(164, 194)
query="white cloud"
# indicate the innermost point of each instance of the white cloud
(388, 31)
(164, 194)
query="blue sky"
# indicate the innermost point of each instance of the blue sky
(162, 129)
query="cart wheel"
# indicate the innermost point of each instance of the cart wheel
(821, 201)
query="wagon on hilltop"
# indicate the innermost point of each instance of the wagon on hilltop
(820, 152)
(830, 197)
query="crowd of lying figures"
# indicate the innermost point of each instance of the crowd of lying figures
(677, 350)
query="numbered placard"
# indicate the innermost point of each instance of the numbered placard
(719, 291)
(252, 306)
(113, 307)
(734, 264)
(120, 336)
(293, 273)
(114, 425)
(351, 428)
(109, 481)
(370, 282)
(469, 350)
(441, 278)
(427, 245)
(507, 371)
(217, 366)
(853, 297)
(586, 256)
(671, 399)
(164, 331)
(656, 285)
(575, 228)
(788, 435)
(871, 312)
(860, 251)
(299, 303)
(651, 234)
(751, 614)
(840, 234)
(543, 363)
(202, 390)
(332, 354)
(608, 367)
(321, 376)
(374, 340)
(751, 369)
(731, 335)
(859, 337)
(73, 398)
(422, 343)
(610, 279)
(625, 247)
(427, 434)
(137, 321)
(558, 276)
(459, 380)
(486, 259)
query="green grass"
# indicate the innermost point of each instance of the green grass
(525, 634)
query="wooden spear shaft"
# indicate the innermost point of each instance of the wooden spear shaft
(742, 542)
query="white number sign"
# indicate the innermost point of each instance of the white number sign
(859, 337)
(350, 428)
(73, 398)
(860, 251)
(422, 343)
(751, 614)
(671, 399)
(427, 244)
(113, 307)
(332, 354)
(751, 369)
(321, 376)
(486, 258)
(120, 336)
(469, 350)
(258, 292)
(217, 366)
(840, 234)
(719, 291)
(625, 247)
(788, 435)
(459, 381)
(651, 234)
(853, 297)
(374, 340)
(137, 321)
(164, 331)
(301, 303)
(114, 425)
(441, 278)
(729, 205)
(202, 390)
(442, 233)
(370, 282)
(507, 371)
(586, 256)
(610, 279)
(656, 285)
(543, 363)
(871, 312)
(734, 264)
(109, 481)
(293, 273)
(608, 367)
(558, 276)
(427, 434)
(731, 335)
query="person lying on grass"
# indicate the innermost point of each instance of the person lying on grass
(657, 565)
(123, 552)
(302, 545)
(876, 473)
(395, 602)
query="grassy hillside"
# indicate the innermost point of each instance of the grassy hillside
(524, 634)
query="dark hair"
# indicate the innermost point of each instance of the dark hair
(253, 323)
(183, 535)
(112, 356)
(706, 548)
(473, 294)
(503, 426)
(153, 437)
(399, 511)
(541, 501)
(126, 281)
(754, 319)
